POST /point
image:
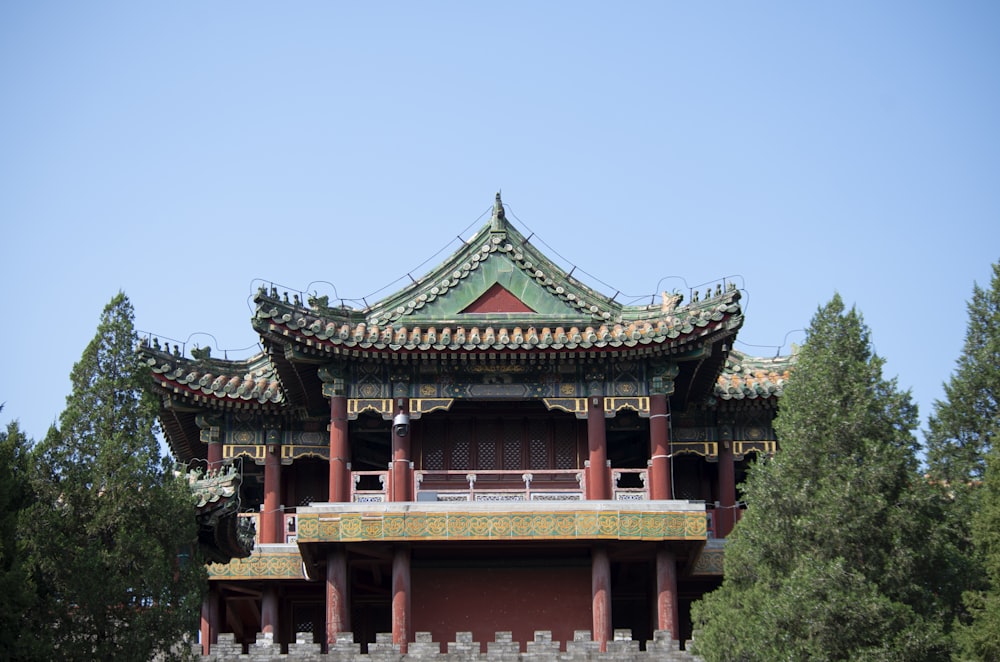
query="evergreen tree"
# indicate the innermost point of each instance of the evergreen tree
(963, 426)
(838, 556)
(980, 639)
(964, 459)
(17, 594)
(111, 521)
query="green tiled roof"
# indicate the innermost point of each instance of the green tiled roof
(214, 487)
(745, 377)
(558, 311)
(547, 311)
(252, 380)
(321, 328)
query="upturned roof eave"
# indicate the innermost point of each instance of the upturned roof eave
(748, 378)
(198, 399)
(667, 324)
(248, 383)
(630, 345)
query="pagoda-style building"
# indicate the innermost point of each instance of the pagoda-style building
(495, 447)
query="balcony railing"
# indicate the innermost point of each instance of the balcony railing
(542, 485)
(500, 485)
(630, 484)
(369, 486)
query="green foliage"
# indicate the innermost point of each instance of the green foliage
(110, 520)
(964, 425)
(980, 639)
(962, 459)
(838, 556)
(17, 593)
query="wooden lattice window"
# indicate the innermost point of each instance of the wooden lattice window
(487, 448)
(512, 445)
(462, 439)
(490, 443)
(434, 446)
(538, 445)
(565, 446)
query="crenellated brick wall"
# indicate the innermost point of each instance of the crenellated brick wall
(503, 648)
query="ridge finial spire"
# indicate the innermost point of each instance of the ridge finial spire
(499, 219)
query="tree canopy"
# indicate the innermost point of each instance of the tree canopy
(980, 638)
(838, 556)
(111, 529)
(963, 458)
(965, 424)
(17, 594)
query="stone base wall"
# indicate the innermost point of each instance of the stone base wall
(504, 649)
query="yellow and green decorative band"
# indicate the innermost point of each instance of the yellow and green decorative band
(285, 564)
(709, 562)
(520, 525)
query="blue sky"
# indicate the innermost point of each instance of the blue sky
(182, 151)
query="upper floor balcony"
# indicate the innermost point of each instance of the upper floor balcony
(457, 490)
(499, 485)
(483, 506)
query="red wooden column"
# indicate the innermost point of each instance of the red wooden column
(271, 530)
(214, 454)
(659, 448)
(597, 443)
(667, 615)
(269, 612)
(209, 620)
(401, 615)
(338, 622)
(340, 473)
(600, 586)
(727, 490)
(401, 456)
(209, 435)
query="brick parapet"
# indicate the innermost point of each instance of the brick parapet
(622, 648)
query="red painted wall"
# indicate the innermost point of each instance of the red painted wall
(487, 600)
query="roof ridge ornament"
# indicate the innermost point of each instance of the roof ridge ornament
(499, 220)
